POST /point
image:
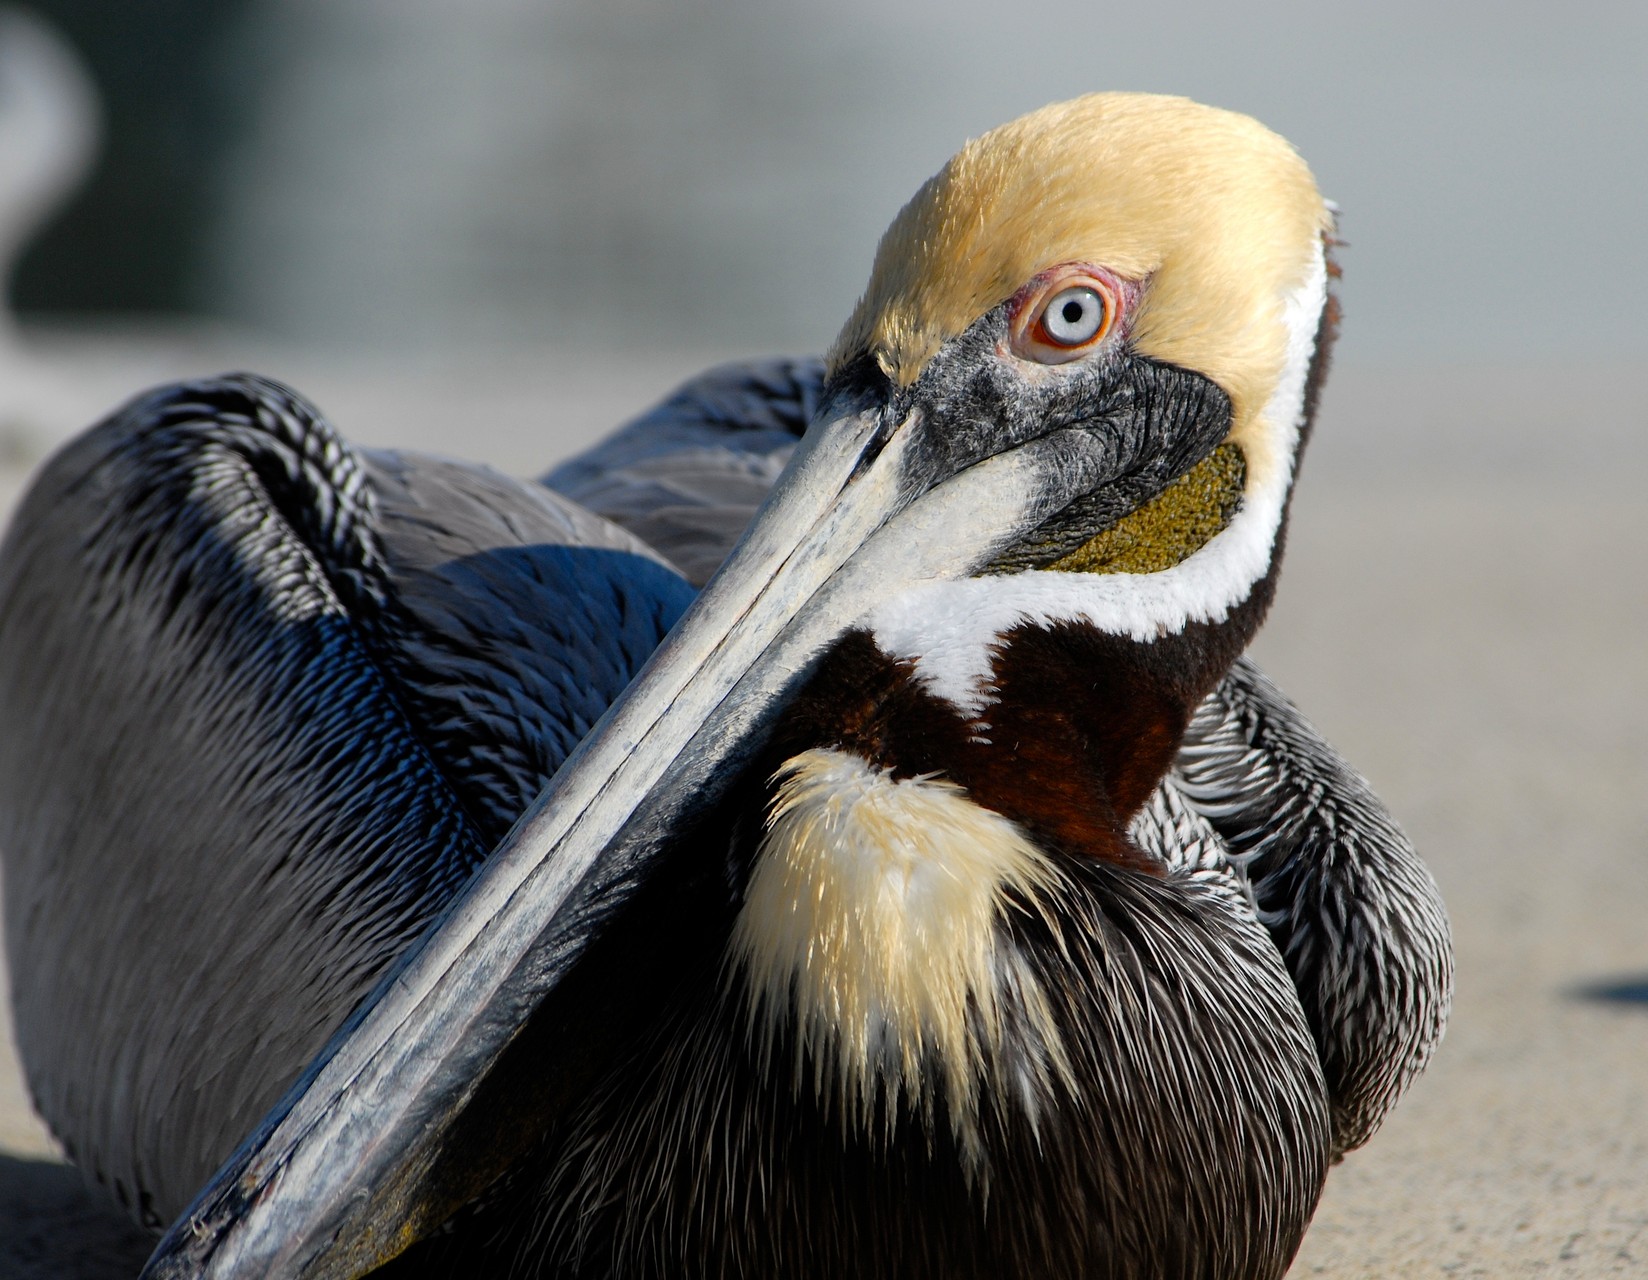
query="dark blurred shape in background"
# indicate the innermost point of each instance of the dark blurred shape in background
(383, 173)
(136, 237)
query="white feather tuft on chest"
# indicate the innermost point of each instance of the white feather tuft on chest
(872, 924)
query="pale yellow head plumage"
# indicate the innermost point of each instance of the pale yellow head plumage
(1218, 216)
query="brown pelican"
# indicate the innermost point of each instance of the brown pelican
(944, 895)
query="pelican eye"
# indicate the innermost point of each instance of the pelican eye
(1063, 315)
(1074, 316)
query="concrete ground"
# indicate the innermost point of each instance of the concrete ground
(1465, 613)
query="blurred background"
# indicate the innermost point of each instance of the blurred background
(523, 183)
(523, 187)
(600, 173)
(497, 228)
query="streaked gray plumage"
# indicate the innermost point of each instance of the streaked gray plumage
(275, 698)
(310, 686)
(1354, 912)
(687, 476)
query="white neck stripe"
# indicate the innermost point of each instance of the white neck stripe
(949, 629)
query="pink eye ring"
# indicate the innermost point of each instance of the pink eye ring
(1064, 315)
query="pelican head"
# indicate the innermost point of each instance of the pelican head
(867, 856)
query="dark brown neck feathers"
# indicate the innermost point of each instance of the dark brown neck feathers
(1083, 728)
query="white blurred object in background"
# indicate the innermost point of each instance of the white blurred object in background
(49, 126)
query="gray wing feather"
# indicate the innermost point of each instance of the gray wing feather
(243, 673)
(518, 618)
(1357, 917)
(687, 476)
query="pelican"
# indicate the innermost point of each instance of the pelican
(407, 865)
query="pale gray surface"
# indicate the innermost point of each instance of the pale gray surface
(1464, 613)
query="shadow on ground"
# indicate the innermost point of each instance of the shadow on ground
(1618, 991)
(53, 1227)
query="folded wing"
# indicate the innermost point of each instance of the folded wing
(268, 701)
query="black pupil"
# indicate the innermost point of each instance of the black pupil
(1073, 311)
